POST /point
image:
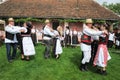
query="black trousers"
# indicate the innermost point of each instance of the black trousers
(94, 47)
(48, 44)
(74, 39)
(67, 39)
(20, 45)
(54, 46)
(34, 39)
(8, 50)
(110, 44)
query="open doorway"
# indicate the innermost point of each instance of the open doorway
(55, 24)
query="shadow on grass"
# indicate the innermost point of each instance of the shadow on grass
(75, 59)
(92, 68)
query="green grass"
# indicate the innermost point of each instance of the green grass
(66, 68)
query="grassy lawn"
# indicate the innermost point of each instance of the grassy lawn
(66, 68)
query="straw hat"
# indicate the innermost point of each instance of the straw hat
(47, 21)
(89, 21)
(10, 19)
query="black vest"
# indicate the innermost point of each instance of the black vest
(9, 36)
(103, 40)
(86, 39)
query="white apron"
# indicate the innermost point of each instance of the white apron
(28, 47)
(102, 56)
(58, 47)
(117, 42)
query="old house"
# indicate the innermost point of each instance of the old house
(56, 10)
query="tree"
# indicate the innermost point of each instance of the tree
(114, 7)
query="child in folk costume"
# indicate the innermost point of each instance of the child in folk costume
(102, 55)
(27, 44)
(57, 42)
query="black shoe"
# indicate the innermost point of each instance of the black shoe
(27, 59)
(57, 56)
(82, 67)
(22, 58)
(98, 71)
(104, 72)
(86, 67)
(46, 57)
(10, 61)
(13, 57)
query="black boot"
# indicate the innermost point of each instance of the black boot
(98, 70)
(104, 72)
(86, 67)
(82, 67)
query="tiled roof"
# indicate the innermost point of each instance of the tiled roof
(75, 9)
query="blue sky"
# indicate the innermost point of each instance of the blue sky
(108, 1)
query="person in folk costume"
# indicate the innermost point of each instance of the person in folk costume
(60, 29)
(94, 44)
(117, 39)
(67, 36)
(11, 39)
(48, 38)
(75, 36)
(42, 32)
(86, 43)
(20, 41)
(102, 55)
(33, 35)
(27, 43)
(111, 39)
(2, 37)
(79, 36)
(57, 42)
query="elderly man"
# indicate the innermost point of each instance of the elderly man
(11, 39)
(48, 35)
(86, 43)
